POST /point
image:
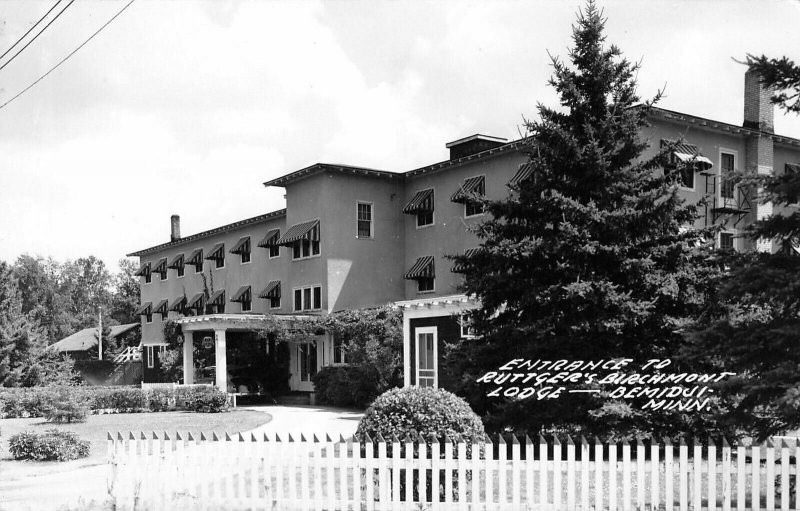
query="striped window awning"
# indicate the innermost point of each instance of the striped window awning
(422, 269)
(178, 304)
(422, 202)
(143, 271)
(218, 252)
(305, 231)
(241, 246)
(144, 308)
(459, 267)
(161, 308)
(176, 263)
(196, 258)
(161, 266)
(471, 187)
(217, 298)
(688, 153)
(242, 295)
(271, 239)
(273, 290)
(792, 168)
(524, 172)
(196, 302)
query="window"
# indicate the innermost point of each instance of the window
(150, 357)
(149, 317)
(726, 241)
(219, 263)
(163, 275)
(426, 356)
(161, 350)
(364, 220)
(308, 298)
(181, 271)
(198, 268)
(303, 249)
(338, 351)
(245, 257)
(425, 285)
(424, 218)
(148, 277)
(726, 168)
(472, 208)
(467, 330)
(274, 251)
(275, 303)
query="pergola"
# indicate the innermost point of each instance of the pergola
(220, 324)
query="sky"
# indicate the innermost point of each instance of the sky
(187, 107)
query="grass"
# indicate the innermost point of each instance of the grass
(96, 428)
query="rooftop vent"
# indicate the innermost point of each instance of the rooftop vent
(472, 145)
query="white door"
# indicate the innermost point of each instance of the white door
(426, 356)
(305, 361)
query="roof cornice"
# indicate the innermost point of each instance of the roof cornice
(205, 234)
(319, 168)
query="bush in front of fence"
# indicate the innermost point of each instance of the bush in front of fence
(51, 445)
(205, 399)
(420, 410)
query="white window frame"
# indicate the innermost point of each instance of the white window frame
(343, 354)
(241, 256)
(148, 278)
(150, 358)
(432, 290)
(723, 150)
(465, 325)
(163, 277)
(427, 330)
(182, 270)
(484, 195)
(371, 220)
(433, 213)
(216, 262)
(302, 298)
(733, 239)
(148, 318)
(269, 252)
(249, 309)
(279, 302)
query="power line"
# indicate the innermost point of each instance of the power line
(29, 30)
(68, 56)
(37, 35)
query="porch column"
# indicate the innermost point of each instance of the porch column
(406, 349)
(188, 358)
(221, 360)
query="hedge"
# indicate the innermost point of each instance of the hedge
(355, 385)
(20, 402)
(53, 444)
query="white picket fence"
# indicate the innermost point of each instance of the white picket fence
(183, 471)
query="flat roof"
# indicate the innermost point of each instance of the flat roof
(210, 232)
(318, 168)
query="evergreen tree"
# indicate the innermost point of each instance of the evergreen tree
(586, 260)
(18, 335)
(754, 327)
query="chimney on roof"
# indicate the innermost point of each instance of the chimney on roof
(759, 111)
(473, 145)
(175, 228)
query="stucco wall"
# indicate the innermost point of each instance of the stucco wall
(257, 273)
(448, 235)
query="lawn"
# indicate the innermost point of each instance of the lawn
(96, 427)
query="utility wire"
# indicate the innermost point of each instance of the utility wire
(29, 30)
(68, 56)
(37, 35)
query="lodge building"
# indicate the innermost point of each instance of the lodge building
(353, 237)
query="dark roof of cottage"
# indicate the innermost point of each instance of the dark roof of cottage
(210, 232)
(87, 338)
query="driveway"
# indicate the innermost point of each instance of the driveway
(69, 483)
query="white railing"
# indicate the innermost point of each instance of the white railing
(284, 472)
(129, 354)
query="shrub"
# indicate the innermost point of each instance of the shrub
(120, 399)
(426, 411)
(160, 400)
(67, 407)
(50, 445)
(205, 399)
(347, 385)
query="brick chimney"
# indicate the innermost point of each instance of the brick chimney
(175, 231)
(759, 112)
